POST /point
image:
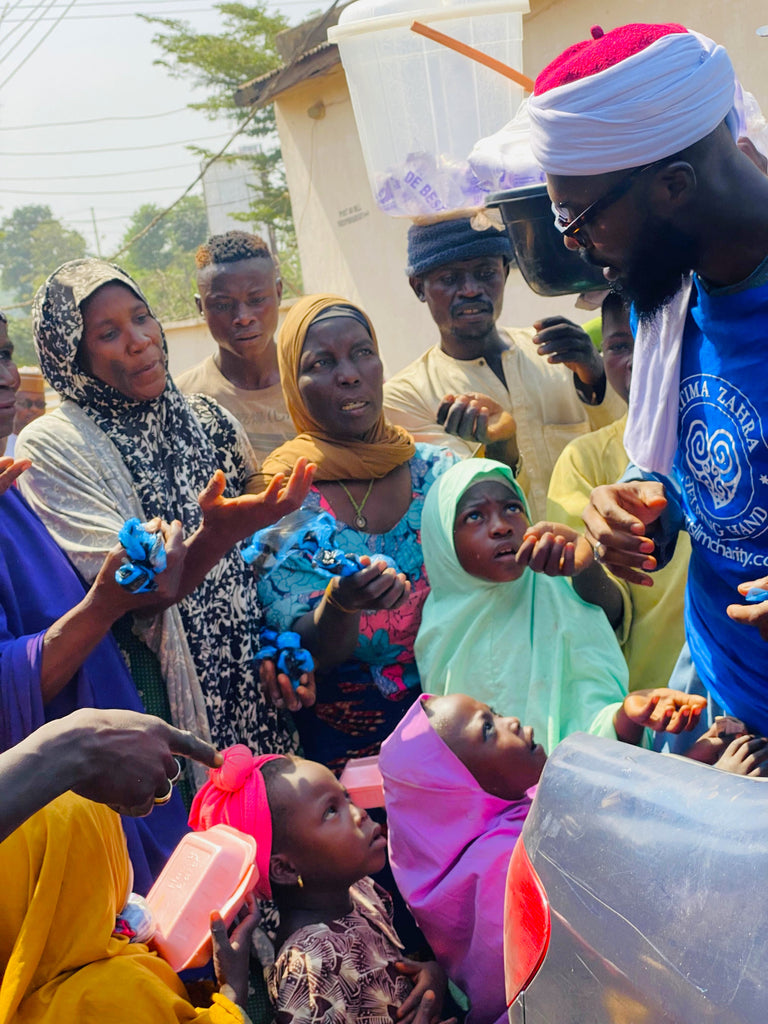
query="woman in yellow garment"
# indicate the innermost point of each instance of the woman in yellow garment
(66, 876)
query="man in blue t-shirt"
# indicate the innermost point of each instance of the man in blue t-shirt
(636, 130)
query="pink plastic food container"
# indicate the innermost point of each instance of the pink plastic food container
(362, 780)
(210, 870)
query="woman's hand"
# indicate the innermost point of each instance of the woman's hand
(106, 592)
(71, 638)
(279, 690)
(232, 953)
(377, 587)
(427, 977)
(555, 550)
(232, 519)
(10, 470)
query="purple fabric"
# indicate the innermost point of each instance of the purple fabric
(450, 844)
(37, 586)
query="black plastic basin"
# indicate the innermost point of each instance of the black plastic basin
(545, 263)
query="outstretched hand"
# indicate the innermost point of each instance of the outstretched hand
(233, 519)
(10, 470)
(476, 417)
(664, 710)
(617, 520)
(232, 953)
(555, 550)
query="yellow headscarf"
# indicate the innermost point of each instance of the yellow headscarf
(66, 876)
(382, 449)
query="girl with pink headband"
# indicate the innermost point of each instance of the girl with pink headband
(338, 955)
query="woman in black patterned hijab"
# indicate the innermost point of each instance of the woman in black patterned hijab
(125, 442)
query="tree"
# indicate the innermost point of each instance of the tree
(218, 64)
(163, 260)
(32, 244)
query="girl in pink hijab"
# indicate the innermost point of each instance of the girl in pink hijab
(458, 786)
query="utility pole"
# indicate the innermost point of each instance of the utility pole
(96, 233)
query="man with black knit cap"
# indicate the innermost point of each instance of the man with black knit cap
(540, 389)
(636, 129)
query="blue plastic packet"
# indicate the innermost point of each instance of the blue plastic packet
(337, 563)
(269, 547)
(136, 578)
(312, 534)
(146, 557)
(755, 595)
(286, 651)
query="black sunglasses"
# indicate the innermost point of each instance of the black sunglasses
(572, 228)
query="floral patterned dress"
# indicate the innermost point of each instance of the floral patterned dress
(361, 701)
(342, 971)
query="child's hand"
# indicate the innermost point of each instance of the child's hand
(709, 746)
(427, 977)
(664, 710)
(746, 755)
(555, 549)
(231, 954)
(425, 1014)
(279, 690)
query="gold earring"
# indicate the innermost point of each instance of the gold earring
(300, 881)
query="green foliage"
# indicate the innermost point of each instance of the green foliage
(32, 245)
(218, 64)
(20, 334)
(163, 260)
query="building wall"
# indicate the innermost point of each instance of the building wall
(188, 343)
(346, 244)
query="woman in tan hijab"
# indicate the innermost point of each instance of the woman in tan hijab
(372, 479)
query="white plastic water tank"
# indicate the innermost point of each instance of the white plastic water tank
(421, 107)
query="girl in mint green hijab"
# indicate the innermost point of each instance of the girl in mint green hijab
(523, 642)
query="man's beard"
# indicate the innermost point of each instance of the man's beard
(653, 272)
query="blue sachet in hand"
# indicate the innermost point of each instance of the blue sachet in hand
(286, 651)
(146, 557)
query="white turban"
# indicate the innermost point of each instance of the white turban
(650, 105)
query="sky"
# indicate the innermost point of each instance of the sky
(64, 61)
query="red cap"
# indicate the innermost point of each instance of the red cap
(600, 52)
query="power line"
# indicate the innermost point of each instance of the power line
(108, 174)
(101, 3)
(114, 192)
(23, 21)
(206, 8)
(120, 149)
(92, 120)
(38, 44)
(209, 163)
